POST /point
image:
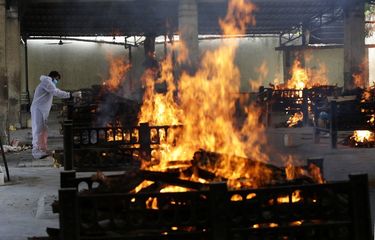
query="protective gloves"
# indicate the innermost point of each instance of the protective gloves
(77, 94)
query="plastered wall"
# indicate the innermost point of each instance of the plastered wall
(83, 64)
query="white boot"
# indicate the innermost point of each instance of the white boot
(39, 154)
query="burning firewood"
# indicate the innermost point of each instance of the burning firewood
(117, 183)
(170, 178)
(211, 161)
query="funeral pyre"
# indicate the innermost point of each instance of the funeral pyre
(203, 103)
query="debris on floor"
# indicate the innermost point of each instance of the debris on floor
(16, 146)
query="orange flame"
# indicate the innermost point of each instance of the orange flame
(359, 75)
(295, 197)
(358, 80)
(299, 77)
(117, 72)
(160, 109)
(239, 16)
(152, 203)
(371, 121)
(316, 174)
(206, 107)
(366, 95)
(295, 119)
(304, 77)
(361, 136)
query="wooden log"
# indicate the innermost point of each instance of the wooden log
(207, 160)
(123, 183)
(200, 173)
(171, 179)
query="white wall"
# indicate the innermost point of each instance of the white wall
(252, 53)
(333, 60)
(83, 64)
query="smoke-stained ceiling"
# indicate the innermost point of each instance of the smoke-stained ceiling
(160, 17)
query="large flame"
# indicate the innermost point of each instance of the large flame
(206, 106)
(239, 16)
(361, 136)
(299, 77)
(117, 72)
(305, 77)
(160, 108)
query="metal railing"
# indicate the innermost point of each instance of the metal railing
(330, 211)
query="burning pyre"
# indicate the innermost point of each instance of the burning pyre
(362, 138)
(203, 103)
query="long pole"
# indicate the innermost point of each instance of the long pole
(27, 74)
(4, 160)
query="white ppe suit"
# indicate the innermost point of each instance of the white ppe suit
(40, 108)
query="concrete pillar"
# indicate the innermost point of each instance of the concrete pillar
(3, 76)
(149, 48)
(355, 54)
(188, 28)
(13, 65)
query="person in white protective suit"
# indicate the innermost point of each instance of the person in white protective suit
(40, 108)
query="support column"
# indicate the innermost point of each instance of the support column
(188, 28)
(149, 47)
(13, 66)
(355, 54)
(3, 76)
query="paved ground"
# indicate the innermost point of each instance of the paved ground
(24, 202)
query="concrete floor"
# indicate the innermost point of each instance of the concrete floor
(23, 213)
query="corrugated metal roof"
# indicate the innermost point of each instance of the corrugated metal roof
(159, 17)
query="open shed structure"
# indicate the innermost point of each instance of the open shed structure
(296, 22)
(160, 17)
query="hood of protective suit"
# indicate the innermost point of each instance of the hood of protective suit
(43, 96)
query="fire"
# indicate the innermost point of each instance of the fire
(315, 173)
(358, 80)
(299, 77)
(295, 119)
(239, 16)
(296, 223)
(174, 189)
(292, 172)
(117, 72)
(142, 185)
(363, 136)
(295, 197)
(366, 96)
(206, 106)
(160, 108)
(304, 77)
(371, 121)
(236, 197)
(114, 135)
(152, 203)
(265, 225)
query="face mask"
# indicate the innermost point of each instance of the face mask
(55, 81)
